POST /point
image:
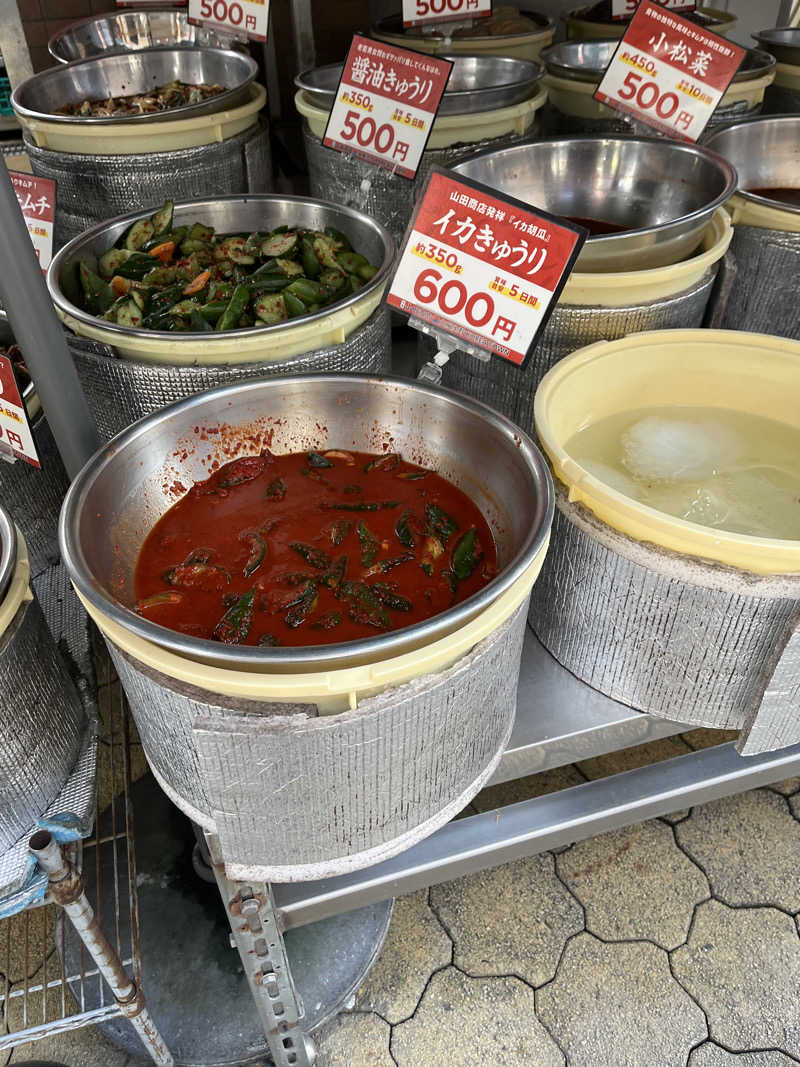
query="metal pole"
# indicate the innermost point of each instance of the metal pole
(303, 28)
(13, 45)
(66, 887)
(40, 336)
(257, 935)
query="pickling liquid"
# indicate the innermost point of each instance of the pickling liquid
(725, 469)
(596, 227)
(785, 195)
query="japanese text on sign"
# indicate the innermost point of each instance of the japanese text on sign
(37, 200)
(385, 105)
(624, 9)
(244, 18)
(669, 73)
(15, 431)
(418, 12)
(484, 269)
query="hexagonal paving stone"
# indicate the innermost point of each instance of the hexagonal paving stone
(677, 816)
(703, 737)
(635, 883)
(511, 920)
(86, 1047)
(787, 786)
(619, 1004)
(535, 785)
(743, 966)
(415, 947)
(711, 1055)
(627, 759)
(748, 846)
(463, 1022)
(354, 1040)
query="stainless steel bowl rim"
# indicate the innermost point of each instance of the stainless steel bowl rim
(610, 240)
(556, 58)
(542, 24)
(729, 127)
(122, 332)
(706, 18)
(212, 105)
(245, 656)
(316, 84)
(782, 41)
(8, 551)
(65, 31)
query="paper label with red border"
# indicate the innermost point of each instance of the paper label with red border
(483, 267)
(15, 430)
(426, 12)
(37, 200)
(243, 18)
(669, 73)
(625, 9)
(385, 104)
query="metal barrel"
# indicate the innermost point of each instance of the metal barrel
(762, 266)
(121, 391)
(43, 719)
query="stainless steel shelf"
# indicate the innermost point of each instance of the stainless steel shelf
(559, 720)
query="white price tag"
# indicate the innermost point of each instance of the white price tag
(385, 104)
(625, 9)
(483, 267)
(15, 430)
(668, 72)
(420, 12)
(247, 18)
(37, 200)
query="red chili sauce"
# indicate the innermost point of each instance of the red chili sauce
(312, 549)
(787, 195)
(597, 227)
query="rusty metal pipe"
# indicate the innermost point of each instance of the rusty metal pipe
(67, 889)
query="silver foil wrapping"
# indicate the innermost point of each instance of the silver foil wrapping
(684, 639)
(510, 390)
(387, 197)
(120, 391)
(296, 796)
(93, 188)
(43, 723)
(761, 280)
(33, 498)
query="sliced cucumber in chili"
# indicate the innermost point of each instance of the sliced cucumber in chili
(263, 278)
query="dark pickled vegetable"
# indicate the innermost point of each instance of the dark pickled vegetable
(234, 626)
(369, 544)
(314, 557)
(440, 523)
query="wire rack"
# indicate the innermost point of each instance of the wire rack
(48, 981)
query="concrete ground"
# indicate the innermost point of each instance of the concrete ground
(675, 943)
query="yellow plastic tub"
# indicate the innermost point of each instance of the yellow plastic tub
(139, 139)
(716, 368)
(582, 29)
(450, 130)
(516, 45)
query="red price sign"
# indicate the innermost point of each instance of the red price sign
(417, 12)
(483, 267)
(624, 9)
(385, 104)
(37, 200)
(247, 18)
(668, 72)
(15, 430)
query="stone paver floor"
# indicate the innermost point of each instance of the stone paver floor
(674, 943)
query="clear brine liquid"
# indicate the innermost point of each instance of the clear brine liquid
(725, 469)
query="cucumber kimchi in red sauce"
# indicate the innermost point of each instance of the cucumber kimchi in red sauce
(312, 548)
